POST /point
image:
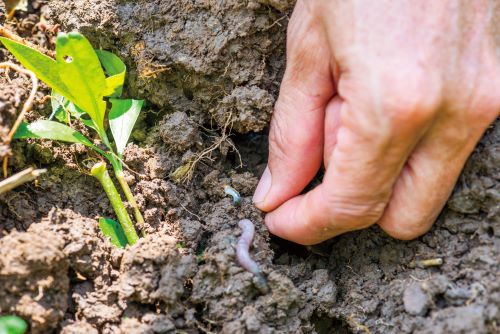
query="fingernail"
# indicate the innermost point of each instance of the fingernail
(269, 223)
(263, 187)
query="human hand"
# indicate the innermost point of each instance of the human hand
(392, 96)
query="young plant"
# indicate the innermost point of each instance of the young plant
(81, 78)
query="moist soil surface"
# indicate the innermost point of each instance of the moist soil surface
(210, 73)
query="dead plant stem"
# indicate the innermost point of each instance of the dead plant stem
(26, 107)
(20, 178)
(4, 32)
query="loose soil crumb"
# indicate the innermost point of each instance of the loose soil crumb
(33, 278)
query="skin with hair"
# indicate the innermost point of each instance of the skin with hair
(391, 97)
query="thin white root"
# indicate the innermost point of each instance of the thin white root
(185, 173)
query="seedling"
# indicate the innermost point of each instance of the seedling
(11, 324)
(81, 78)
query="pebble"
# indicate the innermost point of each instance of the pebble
(415, 300)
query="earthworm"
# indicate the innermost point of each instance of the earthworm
(233, 193)
(244, 259)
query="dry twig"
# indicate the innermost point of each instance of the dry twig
(4, 32)
(10, 6)
(16, 180)
(26, 107)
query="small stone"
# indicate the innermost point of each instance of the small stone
(252, 323)
(437, 285)
(191, 229)
(415, 300)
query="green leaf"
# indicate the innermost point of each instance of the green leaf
(61, 106)
(114, 231)
(58, 104)
(81, 72)
(76, 73)
(45, 68)
(115, 69)
(11, 324)
(51, 130)
(122, 118)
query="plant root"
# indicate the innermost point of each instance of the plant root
(26, 107)
(10, 6)
(185, 173)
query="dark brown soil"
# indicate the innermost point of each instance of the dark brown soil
(202, 65)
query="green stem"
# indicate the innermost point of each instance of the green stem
(100, 172)
(117, 167)
(130, 197)
(105, 140)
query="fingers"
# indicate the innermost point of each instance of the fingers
(352, 195)
(296, 135)
(421, 192)
(374, 137)
(429, 176)
(332, 125)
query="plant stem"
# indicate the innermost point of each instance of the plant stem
(100, 172)
(130, 197)
(117, 168)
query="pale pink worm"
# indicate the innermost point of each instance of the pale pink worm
(242, 248)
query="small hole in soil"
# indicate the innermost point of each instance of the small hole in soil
(490, 231)
(439, 301)
(68, 59)
(188, 93)
(253, 148)
(202, 245)
(324, 324)
(201, 311)
(281, 246)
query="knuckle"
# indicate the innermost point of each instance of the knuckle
(410, 98)
(487, 106)
(305, 39)
(308, 7)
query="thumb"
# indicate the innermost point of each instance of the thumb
(297, 128)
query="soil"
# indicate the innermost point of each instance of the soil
(210, 71)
